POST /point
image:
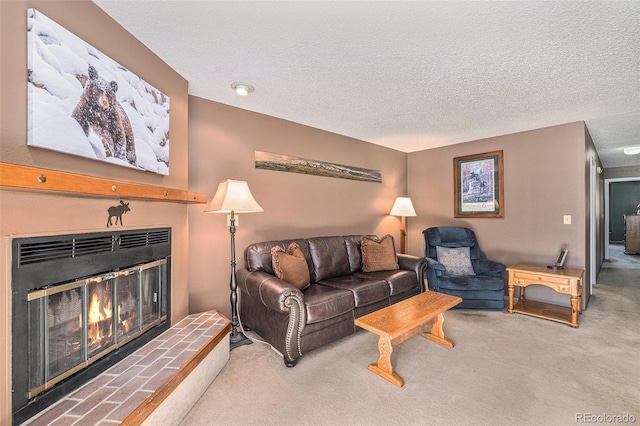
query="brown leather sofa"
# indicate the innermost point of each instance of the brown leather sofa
(297, 321)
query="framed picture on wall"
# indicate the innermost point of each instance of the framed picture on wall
(82, 102)
(478, 182)
(289, 163)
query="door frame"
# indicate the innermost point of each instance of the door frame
(593, 225)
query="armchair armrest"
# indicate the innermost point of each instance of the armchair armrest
(271, 291)
(488, 267)
(435, 265)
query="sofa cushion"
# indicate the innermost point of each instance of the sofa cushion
(322, 302)
(399, 281)
(378, 254)
(329, 257)
(257, 256)
(365, 290)
(354, 251)
(455, 260)
(290, 265)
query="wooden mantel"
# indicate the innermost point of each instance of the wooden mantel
(26, 177)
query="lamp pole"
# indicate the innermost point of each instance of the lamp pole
(403, 235)
(237, 338)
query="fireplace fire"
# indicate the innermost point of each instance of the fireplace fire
(80, 304)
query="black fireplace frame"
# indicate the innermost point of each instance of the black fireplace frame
(39, 262)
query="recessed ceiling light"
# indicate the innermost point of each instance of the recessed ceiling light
(632, 150)
(242, 89)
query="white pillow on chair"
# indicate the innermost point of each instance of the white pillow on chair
(456, 260)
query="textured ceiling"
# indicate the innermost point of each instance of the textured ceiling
(410, 75)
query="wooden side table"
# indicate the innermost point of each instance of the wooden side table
(565, 281)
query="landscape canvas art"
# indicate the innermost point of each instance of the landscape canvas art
(82, 102)
(289, 163)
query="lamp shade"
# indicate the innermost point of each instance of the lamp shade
(233, 196)
(403, 207)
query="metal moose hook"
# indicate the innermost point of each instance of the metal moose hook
(117, 212)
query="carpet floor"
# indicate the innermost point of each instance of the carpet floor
(505, 369)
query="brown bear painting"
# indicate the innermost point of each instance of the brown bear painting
(81, 102)
(99, 111)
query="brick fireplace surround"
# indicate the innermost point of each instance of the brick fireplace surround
(157, 384)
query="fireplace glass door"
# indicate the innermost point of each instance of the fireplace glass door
(73, 324)
(99, 317)
(153, 304)
(63, 332)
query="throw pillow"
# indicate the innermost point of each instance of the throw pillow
(457, 261)
(290, 265)
(378, 254)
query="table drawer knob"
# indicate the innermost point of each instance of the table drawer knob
(563, 288)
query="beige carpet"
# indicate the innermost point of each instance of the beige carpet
(617, 258)
(505, 369)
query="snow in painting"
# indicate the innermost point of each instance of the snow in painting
(128, 125)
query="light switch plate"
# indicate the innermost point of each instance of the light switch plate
(567, 219)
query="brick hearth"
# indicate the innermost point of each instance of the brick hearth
(135, 389)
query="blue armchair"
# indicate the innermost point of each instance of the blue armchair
(456, 267)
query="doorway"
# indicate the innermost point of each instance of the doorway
(615, 261)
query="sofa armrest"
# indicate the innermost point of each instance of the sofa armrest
(277, 311)
(413, 263)
(271, 291)
(407, 261)
(488, 267)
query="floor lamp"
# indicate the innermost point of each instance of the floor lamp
(403, 207)
(234, 196)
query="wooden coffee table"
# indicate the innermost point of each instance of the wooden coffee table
(400, 321)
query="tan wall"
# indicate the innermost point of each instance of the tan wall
(222, 145)
(28, 213)
(544, 179)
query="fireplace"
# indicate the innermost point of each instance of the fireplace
(81, 303)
